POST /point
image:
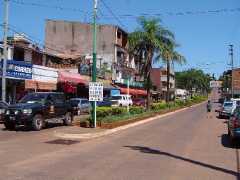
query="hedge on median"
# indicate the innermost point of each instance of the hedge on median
(118, 112)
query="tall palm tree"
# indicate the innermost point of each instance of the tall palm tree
(170, 56)
(146, 41)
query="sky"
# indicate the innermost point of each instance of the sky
(203, 37)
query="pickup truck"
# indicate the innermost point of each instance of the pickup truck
(35, 110)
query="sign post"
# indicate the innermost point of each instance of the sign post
(95, 94)
(94, 67)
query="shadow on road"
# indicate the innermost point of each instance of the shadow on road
(148, 150)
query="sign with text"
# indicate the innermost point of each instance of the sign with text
(18, 70)
(95, 91)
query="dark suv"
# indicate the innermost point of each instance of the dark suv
(35, 110)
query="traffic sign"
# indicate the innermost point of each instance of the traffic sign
(95, 91)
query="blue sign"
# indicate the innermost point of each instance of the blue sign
(115, 92)
(18, 70)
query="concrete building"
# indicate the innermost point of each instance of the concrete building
(159, 81)
(75, 39)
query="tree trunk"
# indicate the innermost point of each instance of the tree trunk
(148, 92)
(168, 81)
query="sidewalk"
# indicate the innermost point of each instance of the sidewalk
(76, 132)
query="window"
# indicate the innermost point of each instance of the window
(84, 102)
(58, 98)
(119, 34)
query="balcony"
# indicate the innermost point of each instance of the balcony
(164, 79)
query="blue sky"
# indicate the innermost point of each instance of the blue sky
(204, 38)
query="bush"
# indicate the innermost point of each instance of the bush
(104, 111)
(136, 110)
(118, 110)
(159, 106)
(179, 103)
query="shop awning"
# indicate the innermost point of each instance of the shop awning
(71, 78)
(38, 85)
(133, 91)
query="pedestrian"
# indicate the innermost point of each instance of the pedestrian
(209, 106)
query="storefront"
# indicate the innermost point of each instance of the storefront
(17, 72)
(43, 79)
(72, 84)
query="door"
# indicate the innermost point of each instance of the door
(59, 104)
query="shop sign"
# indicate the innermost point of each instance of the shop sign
(18, 70)
(115, 92)
(95, 91)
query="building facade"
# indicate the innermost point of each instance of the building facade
(159, 82)
(77, 41)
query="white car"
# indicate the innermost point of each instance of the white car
(122, 100)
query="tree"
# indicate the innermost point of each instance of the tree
(170, 56)
(145, 42)
(193, 79)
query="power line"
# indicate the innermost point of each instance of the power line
(21, 2)
(183, 13)
(112, 13)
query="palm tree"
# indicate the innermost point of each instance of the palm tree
(147, 41)
(170, 56)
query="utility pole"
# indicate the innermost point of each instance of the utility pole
(232, 66)
(94, 67)
(5, 50)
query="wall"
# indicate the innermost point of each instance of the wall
(156, 78)
(78, 37)
(236, 79)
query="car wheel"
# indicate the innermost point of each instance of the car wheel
(37, 122)
(231, 139)
(9, 126)
(67, 119)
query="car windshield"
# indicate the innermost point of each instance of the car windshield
(33, 98)
(228, 104)
(116, 97)
(74, 102)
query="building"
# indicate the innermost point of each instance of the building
(236, 81)
(113, 63)
(159, 82)
(77, 41)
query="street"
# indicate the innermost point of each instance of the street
(186, 145)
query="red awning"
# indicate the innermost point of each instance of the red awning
(133, 91)
(71, 78)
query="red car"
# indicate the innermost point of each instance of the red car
(139, 102)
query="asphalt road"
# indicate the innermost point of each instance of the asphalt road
(188, 145)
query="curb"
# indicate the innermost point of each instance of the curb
(87, 136)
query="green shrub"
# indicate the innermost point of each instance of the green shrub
(179, 103)
(104, 111)
(136, 110)
(159, 106)
(119, 110)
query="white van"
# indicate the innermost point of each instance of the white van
(121, 100)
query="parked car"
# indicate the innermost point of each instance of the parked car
(234, 126)
(105, 103)
(227, 109)
(3, 108)
(122, 100)
(139, 102)
(80, 105)
(37, 109)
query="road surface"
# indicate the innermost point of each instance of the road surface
(188, 145)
